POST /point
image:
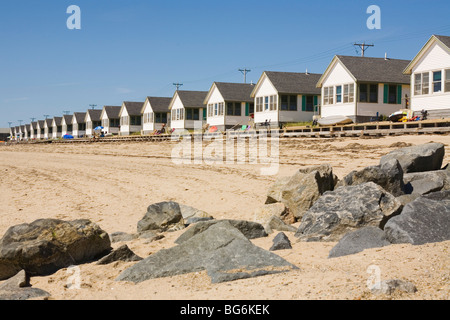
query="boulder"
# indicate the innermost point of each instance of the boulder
(251, 230)
(193, 214)
(162, 216)
(421, 183)
(278, 210)
(424, 220)
(275, 190)
(280, 242)
(359, 240)
(222, 250)
(123, 253)
(46, 245)
(388, 287)
(389, 175)
(18, 288)
(346, 209)
(300, 191)
(425, 157)
(121, 236)
(276, 223)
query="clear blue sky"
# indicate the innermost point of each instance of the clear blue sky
(129, 49)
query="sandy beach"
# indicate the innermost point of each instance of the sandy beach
(112, 184)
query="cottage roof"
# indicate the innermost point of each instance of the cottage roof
(48, 122)
(40, 123)
(67, 118)
(159, 104)
(58, 121)
(291, 82)
(444, 39)
(234, 92)
(112, 112)
(79, 117)
(133, 108)
(94, 114)
(192, 99)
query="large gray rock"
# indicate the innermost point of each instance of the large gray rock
(18, 288)
(274, 216)
(421, 183)
(388, 287)
(424, 220)
(250, 229)
(346, 209)
(359, 240)
(222, 250)
(46, 245)
(300, 191)
(389, 175)
(425, 157)
(162, 216)
(123, 253)
(280, 242)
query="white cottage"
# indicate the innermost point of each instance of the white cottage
(429, 74)
(66, 124)
(364, 88)
(130, 118)
(57, 127)
(40, 130)
(92, 120)
(110, 119)
(282, 97)
(155, 113)
(33, 130)
(27, 134)
(48, 128)
(186, 107)
(78, 124)
(229, 105)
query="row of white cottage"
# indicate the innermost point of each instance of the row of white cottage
(360, 88)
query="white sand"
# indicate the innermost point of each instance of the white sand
(112, 185)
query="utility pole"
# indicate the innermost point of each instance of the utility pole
(363, 46)
(178, 85)
(46, 116)
(92, 106)
(66, 112)
(32, 119)
(244, 72)
(10, 123)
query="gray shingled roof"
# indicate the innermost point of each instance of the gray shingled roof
(94, 114)
(33, 124)
(67, 118)
(133, 108)
(41, 123)
(380, 70)
(294, 82)
(192, 99)
(58, 121)
(79, 116)
(236, 92)
(444, 39)
(159, 104)
(112, 112)
(49, 122)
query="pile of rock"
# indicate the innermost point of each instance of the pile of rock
(404, 199)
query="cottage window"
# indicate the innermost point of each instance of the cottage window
(234, 109)
(328, 95)
(437, 81)
(266, 103)
(422, 83)
(338, 94)
(368, 93)
(160, 117)
(447, 80)
(192, 114)
(392, 95)
(349, 92)
(288, 102)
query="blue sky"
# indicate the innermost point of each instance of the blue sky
(129, 49)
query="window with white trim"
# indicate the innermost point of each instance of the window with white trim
(328, 95)
(421, 83)
(447, 80)
(437, 81)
